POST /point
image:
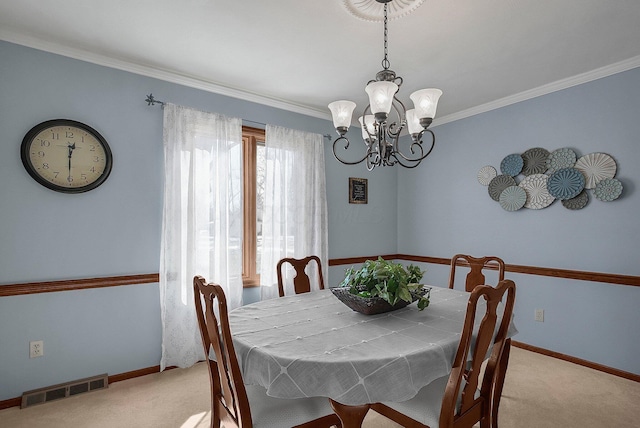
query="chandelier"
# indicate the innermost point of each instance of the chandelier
(384, 119)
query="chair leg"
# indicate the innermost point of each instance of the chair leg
(499, 384)
(350, 416)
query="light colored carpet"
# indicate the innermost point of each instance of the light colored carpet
(539, 392)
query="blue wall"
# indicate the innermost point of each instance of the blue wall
(453, 213)
(115, 229)
(440, 210)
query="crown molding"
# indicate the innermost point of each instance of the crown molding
(167, 76)
(559, 85)
(217, 88)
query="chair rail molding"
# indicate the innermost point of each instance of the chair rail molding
(76, 284)
(149, 278)
(609, 278)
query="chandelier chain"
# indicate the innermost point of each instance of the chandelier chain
(385, 61)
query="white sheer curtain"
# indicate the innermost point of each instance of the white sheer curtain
(202, 222)
(295, 211)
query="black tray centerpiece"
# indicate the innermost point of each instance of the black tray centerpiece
(382, 286)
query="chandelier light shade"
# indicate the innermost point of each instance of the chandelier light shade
(367, 123)
(341, 111)
(413, 123)
(426, 102)
(386, 117)
(381, 95)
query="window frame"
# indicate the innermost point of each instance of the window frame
(251, 138)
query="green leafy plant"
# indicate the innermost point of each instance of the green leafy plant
(390, 281)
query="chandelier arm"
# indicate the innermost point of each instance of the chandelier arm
(376, 135)
(373, 157)
(370, 165)
(419, 143)
(433, 141)
(378, 154)
(402, 122)
(391, 162)
(399, 155)
(404, 109)
(346, 146)
(399, 162)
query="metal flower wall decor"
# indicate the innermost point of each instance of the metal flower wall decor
(547, 176)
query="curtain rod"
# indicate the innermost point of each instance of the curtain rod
(151, 101)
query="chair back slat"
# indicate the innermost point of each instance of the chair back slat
(230, 404)
(476, 266)
(481, 338)
(301, 282)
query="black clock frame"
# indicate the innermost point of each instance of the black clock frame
(28, 165)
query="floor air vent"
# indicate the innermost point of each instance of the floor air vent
(63, 390)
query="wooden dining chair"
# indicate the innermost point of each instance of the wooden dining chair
(234, 404)
(469, 394)
(476, 265)
(301, 282)
(474, 277)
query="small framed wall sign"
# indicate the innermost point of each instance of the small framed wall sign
(357, 190)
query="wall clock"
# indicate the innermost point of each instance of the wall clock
(66, 156)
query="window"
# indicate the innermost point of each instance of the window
(253, 158)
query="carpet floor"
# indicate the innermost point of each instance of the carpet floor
(540, 392)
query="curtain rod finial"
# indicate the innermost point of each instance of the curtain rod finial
(151, 101)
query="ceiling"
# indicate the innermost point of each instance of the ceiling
(301, 55)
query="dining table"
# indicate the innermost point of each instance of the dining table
(313, 345)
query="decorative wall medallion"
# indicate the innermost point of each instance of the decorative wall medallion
(538, 195)
(566, 183)
(535, 161)
(551, 176)
(596, 167)
(608, 189)
(498, 184)
(560, 158)
(512, 165)
(486, 174)
(578, 202)
(513, 198)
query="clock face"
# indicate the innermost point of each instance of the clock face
(66, 156)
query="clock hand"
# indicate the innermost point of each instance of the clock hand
(71, 148)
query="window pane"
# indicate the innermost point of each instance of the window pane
(260, 182)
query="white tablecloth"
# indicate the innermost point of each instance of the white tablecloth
(313, 345)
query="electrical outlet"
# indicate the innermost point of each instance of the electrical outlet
(539, 315)
(36, 349)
